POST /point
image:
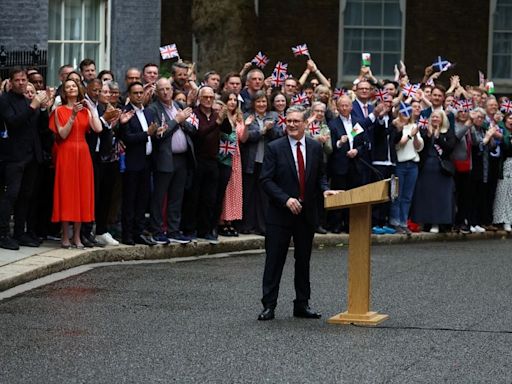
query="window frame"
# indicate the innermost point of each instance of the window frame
(502, 85)
(344, 78)
(103, 43)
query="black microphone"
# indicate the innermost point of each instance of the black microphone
(372, 168)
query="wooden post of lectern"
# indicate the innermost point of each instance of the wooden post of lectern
(360, 201)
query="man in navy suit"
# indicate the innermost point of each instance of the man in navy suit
(350, 144)
(362, 108)
(292, 176)
(137, 129)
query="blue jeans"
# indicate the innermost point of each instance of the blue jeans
(407, 173)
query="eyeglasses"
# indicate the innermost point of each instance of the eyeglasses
(293, 122)
(208, 97)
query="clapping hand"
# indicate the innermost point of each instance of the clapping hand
(126, 116)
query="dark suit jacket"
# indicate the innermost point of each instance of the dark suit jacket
(384, 140)
(339, 162)
(358, 114)
(280, 181)
(135, 139)
(22, 124)
(162, 148)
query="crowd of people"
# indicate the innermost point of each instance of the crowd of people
(155, 159)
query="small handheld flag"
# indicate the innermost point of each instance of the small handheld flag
(260, 60)
(169, 51)
(301, 50)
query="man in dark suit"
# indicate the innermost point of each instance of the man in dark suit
(361, 106)
(137, 130)
(292, 175)
(174, 159)
(23, 153)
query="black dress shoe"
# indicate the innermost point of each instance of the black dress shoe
(86, 242)
(321, 230)
(306, 313)
(266, 314)
(27, 241)
(127, 241)
(8, 242)
(145, 240)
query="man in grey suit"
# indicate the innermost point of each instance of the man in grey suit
(174, 159)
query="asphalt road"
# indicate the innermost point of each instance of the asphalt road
(195, 322)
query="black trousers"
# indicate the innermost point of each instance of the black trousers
(136, 187)
(464, 196)
(339, 218)
(199, 201)
(277, 241)
(255, 202)
(105, 181)
(172, 185)
(19, 179)
(380, 212)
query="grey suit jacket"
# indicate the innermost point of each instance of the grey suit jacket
(162, 150)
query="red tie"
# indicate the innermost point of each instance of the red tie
(302, 177)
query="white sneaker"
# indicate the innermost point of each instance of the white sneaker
(507, 227)
(434, 229)
(106, 239)
(479, 229)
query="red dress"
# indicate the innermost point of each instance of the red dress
(73, 194)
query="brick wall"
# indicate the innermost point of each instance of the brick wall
(23, 23)
(457, 30)
(287, 23)
(135, 34)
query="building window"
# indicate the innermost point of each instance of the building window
(76, 31)
(373, 26)
(501, 39)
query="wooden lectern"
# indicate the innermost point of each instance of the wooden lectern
(360, 201)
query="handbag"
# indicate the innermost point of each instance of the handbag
(447, 167)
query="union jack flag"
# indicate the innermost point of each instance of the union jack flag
(300, 50)
(506, 106)
(405, 109)
(456, 103)
(260, 60)
(423, 122)
(314, 128)
(169, 51)
(380, 94)
(338, 92)
(281, 121)
(194, 120)
(299, 98)
(441, 65)
(227, 148)
(410, 90)
(465, 105)
(279, 74)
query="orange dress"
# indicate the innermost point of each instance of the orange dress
(73, 194)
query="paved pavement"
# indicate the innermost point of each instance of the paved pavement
(27, 264)
(195, 322)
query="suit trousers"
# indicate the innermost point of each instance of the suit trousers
(19, 179)
(200, 200)
(172, 185)
(136, 187)
(277, 241)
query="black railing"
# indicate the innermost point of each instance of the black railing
(35, 57)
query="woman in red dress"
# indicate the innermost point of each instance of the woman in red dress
(73, 193)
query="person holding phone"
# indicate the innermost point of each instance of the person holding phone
(73, 196)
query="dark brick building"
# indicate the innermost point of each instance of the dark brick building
(476, 35)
